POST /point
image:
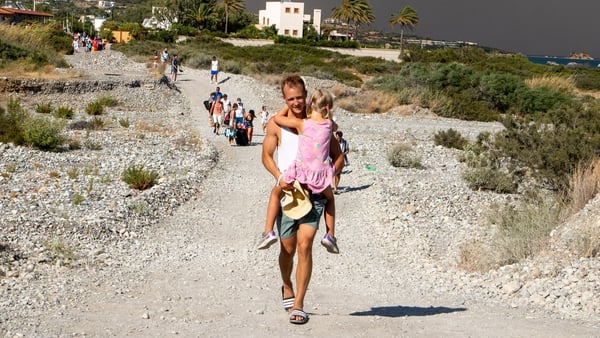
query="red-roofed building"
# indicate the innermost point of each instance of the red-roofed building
(15, 15)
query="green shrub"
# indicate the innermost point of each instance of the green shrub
(524, 229)
(401, 156)
(139, 178)
(73, 173)
(60, 249)
(11, 122)
(124, 122)
(588, 80)
(450, 139)
(94, 108)
(98, 123)
(44, 108)
(541, 100)
(489, 178)
(77, 199)
(463, 106)
(107, 101)
(92, 145)
(550, 151)
(500, 90)
(74, 144)
(43, 133)
(64, 113)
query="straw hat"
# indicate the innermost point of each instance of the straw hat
(296, 203)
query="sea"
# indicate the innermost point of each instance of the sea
(553, 60)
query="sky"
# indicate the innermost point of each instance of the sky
(530, 27)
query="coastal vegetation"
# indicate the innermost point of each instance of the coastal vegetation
(547, 153)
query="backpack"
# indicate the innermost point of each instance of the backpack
(227, 119)
(207, 105)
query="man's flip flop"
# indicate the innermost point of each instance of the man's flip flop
(298, 313)
(287, 303)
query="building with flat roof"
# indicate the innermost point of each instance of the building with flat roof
(288, 17)
(16, 15)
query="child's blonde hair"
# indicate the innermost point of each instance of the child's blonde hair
(322, 101)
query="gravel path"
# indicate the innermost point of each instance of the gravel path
(180, 258)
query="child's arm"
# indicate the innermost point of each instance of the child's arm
(283, 120)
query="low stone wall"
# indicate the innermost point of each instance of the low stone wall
(41, 86)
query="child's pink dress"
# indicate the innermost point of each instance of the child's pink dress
(312, 166)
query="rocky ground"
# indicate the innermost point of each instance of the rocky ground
(82, 254)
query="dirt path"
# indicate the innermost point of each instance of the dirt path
(202, 276)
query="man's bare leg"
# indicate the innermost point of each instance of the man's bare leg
(305, 237)
(286, 264)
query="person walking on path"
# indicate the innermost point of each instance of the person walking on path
(249, 124)
(164, 59)
(174, 67)
(155, 59)
(214, 70)
(216, 110)
(296, 236)
(345, 149)
(264, 118)
(311, 166)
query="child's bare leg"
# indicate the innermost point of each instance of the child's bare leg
(273, 208)
(329, 211)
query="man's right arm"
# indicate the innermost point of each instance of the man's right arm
(270, 143)
(268, 149)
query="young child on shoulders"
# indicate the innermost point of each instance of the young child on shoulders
(311, 168)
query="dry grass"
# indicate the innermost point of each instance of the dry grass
(520, 231)
(188, 140)
(584, 184)
(268, 79)
(591, 247)
(368, 102)
(476, 256)
(341, 91)
(153, 127)
(32, 36)
(48, 72)
(562, 84)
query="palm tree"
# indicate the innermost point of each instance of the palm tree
(345, 13)
(231, 5)
(202, 14)
(358, 11)
(407, 17)
(364, 15)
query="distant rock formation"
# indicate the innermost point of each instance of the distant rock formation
(580, 56)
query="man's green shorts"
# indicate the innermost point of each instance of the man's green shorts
(287, 227)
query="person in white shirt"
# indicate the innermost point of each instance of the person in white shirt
(296, 236)
(264, 118)
(214, 70)
(226, 104)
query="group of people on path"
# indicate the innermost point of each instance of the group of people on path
(85, 43)
(166, 59)
(236, 121)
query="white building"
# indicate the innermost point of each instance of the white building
(288, 17)
(163, 23)
(106, 4)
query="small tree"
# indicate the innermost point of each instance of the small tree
(407, 17)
